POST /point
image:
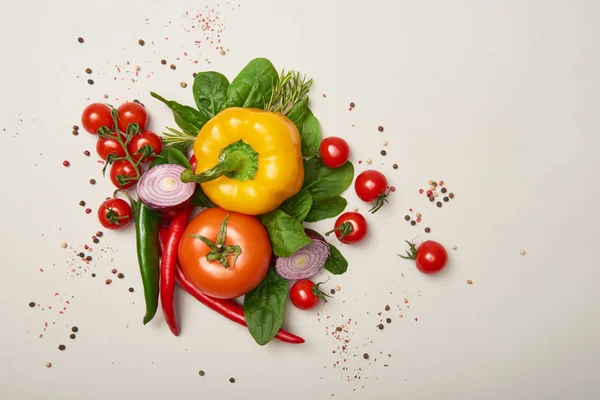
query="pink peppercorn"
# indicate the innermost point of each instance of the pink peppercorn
(66, 163)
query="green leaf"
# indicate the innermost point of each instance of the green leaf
(200, 199)
(310, 134)
(187, 118)
(252, 85)
(298, 205)
(298, 112)
(264, 306)
(336, 263)
(286, 233)
(326, 208)
(323, 182)
(171, 155)
(210, 92)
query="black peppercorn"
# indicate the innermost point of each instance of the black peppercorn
(407, 217)
(80, 39)
(388, 320)
(32, 304)
(451, 195)
(74, 329)
(61, 347)
(141, 42)
(130, 290)
(446, 198)
(413, 222)
(444, 190)
(428, 229)
(395, 166)
(383, 152)
(90, 81)
(439, 204)
(366, 356)
(72, 336)
(380, 326)
(380, 128)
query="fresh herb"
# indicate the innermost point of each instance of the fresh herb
(187, 118)
(287, 92)
(298, 113)
(298, 206)
(210, 92)
(323, 182)
(264, 306)
(170, 155)
(286, 233)
(326, 208)
(253, 85)
(310, 134)
(177, 139)
(336, 263)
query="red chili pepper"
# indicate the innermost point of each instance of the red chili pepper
(168, 265)
(227, 308)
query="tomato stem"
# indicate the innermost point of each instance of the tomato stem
(345, 229)
(220, 251)
(411, 253)
(380, 201)
(322, 295)
(135, 128)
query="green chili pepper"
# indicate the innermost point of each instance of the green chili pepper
(146, 225)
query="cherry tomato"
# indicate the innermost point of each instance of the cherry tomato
(142, 139)
(96, 115)
(132, 112)
(125, 169)
(350, 227)
(211, 277)
(110, 145)
(306, 295)
(430, 257)
(334, 152)
(114, 214)
(371, 187)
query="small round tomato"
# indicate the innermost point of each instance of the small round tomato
(120, 172)
(334, 152)
(146, 138)
(96, 115)
(110, 145)
(224, 276)
(371, 187)
(430, 257)
(305, 295)
(132, 112)
(114, 214)
(350, 227)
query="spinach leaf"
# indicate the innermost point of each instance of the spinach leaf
(170, 155)
(298, 112)
(323, 182)
(210, 92)
(286, 233)
(200, 199)
(326, 208)
(336, 263)
(264, 306)
(310, 134)
(252, 85)
(298, 205)
(187, 118)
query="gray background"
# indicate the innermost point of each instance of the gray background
(497, 98)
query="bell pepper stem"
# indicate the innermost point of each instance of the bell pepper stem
(232, 163)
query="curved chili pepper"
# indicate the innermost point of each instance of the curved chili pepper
(227, 308)
(146, 229)
(168, 265)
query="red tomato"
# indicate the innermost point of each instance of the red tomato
(211, 277)
(114, 214)
(132, 112)
(334, 152)
(430, 257)
(146, 138)
(110, 145)
(96, 115)
(370, 185)
(305, 295)
(350, 227)
(124, 169)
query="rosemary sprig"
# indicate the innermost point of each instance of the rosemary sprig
(288, 91)
(178, 139)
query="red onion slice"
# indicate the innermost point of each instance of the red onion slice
(306, 262)
(161, 189)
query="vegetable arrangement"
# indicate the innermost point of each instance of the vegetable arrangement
(260, 170)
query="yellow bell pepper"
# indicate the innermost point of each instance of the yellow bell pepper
(248, 160)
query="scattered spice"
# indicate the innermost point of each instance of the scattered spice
(66, 163)
(114, 271)
(522, 252)
(366, 356)
(92, 181)
(99, 233)
(48, 364)
(446, 198)
(232, 380)
(141, 42)
(90, 81)
(63, 245)
(439, 204)
(451, 195)
(194, 75)
(339, 329)
(96, 240)
(31, 304)
(93, 275)
(74, 329)
(413, 222)
(470, 282)
(338, 288)
(72, 336)
(392, 188)
(80, 39)
(201, 373)
(130, 290)
(87, 211)
(419, 215)
(427, 230)
(120, 275)
(82, 203)
(388, 320)
(380, 128)
(172, 66)
(380, 326)
(395, 166)
(387, 308)
(163, 62)
(368, 161)
(441, 183)
(383, 152)
(86, 153)
(352, 105)
(61, 347)
(108, 281)
(88, 70)
(444, 190)
(385, 142)
(88, 258)
(183, 85)
(75, 133)
(75, 128)
(407, 217)
(431, 198)
(332, 291)
(81, 255)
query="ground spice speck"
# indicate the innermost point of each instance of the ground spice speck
(80, 39)
(72, 336)
(232, 380)
(61, 347)
(90, 81)
(201, 373)
(141, 42)
(108, 281)
(131, 290)
(380, 128)
(32, 304)
(469, 282)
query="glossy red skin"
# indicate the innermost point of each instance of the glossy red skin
(108, 145)
(359, 227)
(145, 138)
(122, 168)
(132, 112)
(431, 257)
(369, 185)
(302, 296)
(96, 115)
(193, 162)
(121, 207)
(334, 152)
